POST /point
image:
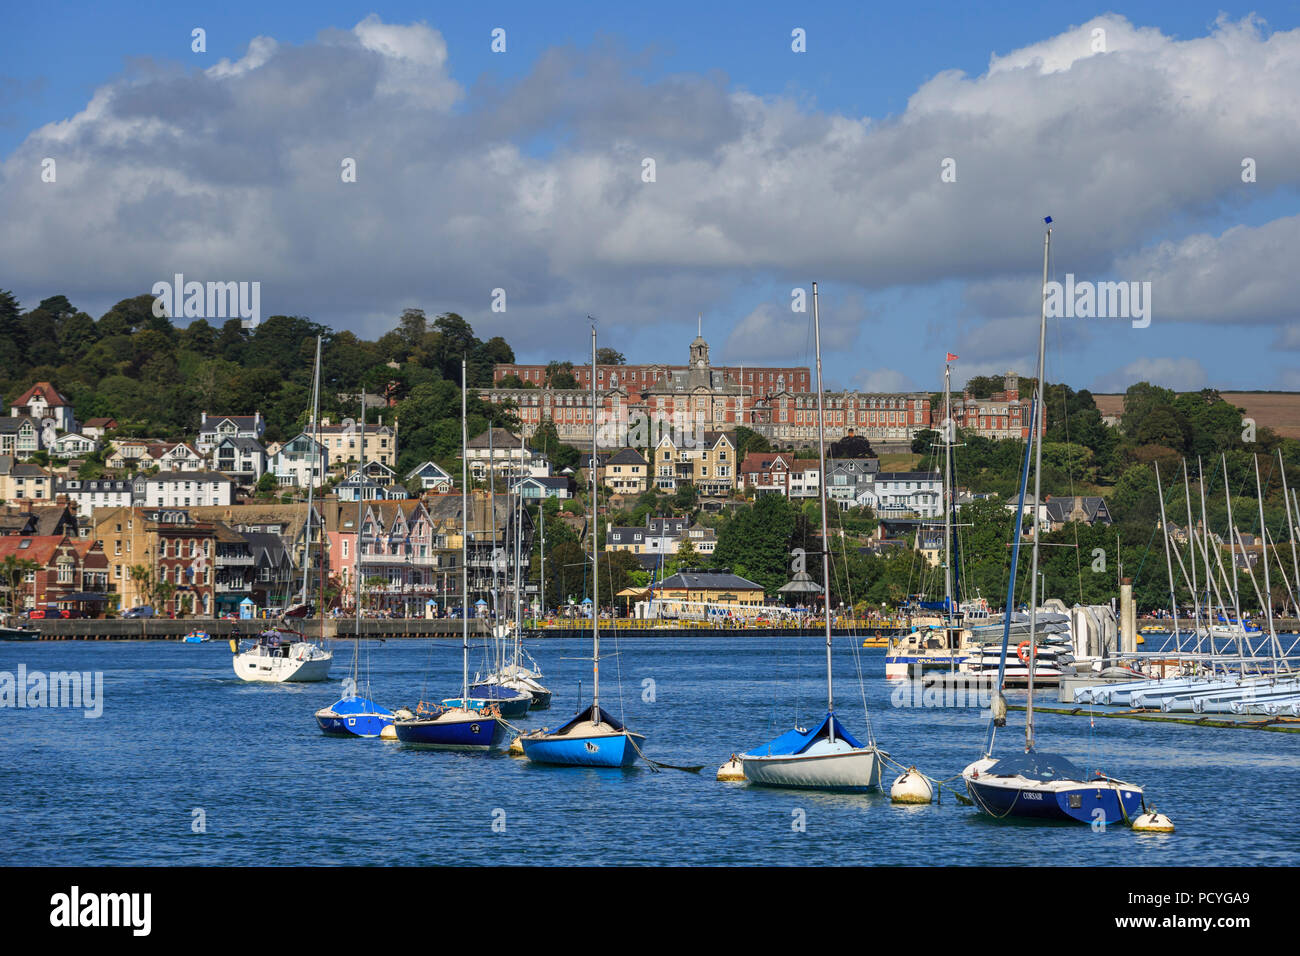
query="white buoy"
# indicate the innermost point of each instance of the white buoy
(1153, 822)
(911, 787)
(388, 733)
(516, 748)
(731, 770)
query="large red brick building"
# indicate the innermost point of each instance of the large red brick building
(637, 402)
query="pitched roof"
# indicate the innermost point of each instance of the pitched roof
(101, 423)
(14, 423)
(627, 456)
(46, 391)
(501, 438)
(38, 548)
(712, 580)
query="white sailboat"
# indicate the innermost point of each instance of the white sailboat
(828, 756)
(280, 654)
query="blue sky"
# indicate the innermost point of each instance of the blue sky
(584, 89)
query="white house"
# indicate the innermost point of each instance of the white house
(97, 428)
(182, 489)
(240, 457)
(213, 428)
(20, 436)
(298, 461)
(433, 477)
(92, 493)
(43, 401)
(180, 456)
(507, 457)
(902, 493)
(72, 445)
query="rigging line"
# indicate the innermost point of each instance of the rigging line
(857, 649)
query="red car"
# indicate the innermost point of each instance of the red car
(43, 613)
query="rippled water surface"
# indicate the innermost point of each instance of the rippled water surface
(180, 732)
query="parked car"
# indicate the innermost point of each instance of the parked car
(144, 610)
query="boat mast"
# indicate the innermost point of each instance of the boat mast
(826, 538)
(492, 510)
(311, 479)
(1290, 528)
(1191, 540)
(1169, 564)
(519, 550)
(1276, 648)
(356, 654)
(947, 494)
(1232, 544)
(595, 562)
(541, 553)
(1040, 403)
(464, 538)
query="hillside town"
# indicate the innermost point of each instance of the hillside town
(217, 525)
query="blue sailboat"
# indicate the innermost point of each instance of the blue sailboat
(355, 715)
(460, 725)
(591, 738)
(1033, 785)
(827, 757)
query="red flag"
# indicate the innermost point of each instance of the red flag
(951, 357)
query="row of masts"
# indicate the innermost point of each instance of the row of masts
(1207, 580)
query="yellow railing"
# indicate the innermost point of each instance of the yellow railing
(641, 624)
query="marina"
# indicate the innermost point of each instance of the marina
(712, 696)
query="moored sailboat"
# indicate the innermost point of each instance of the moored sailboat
(356, 715)
(462, 726)
(281, 654)
(592, 737)
(1033, 785)
(828, 756)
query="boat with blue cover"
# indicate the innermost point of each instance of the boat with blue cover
(828, 757)
(591, 738)
(1033, 785)
(355, 715)
(460, 727)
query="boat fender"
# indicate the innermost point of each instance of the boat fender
(999, 709)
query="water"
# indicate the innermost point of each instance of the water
(179, 732)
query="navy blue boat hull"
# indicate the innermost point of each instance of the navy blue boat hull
(1105, 805)
(475, 734)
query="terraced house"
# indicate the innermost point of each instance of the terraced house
(171, 552)
(19, 482)
(344, 442)
(20, 436)
(709, 463)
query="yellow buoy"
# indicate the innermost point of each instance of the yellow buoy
(1153, 822)
(731, 770)
(388, 733)
(911, 787)
(516, 748)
